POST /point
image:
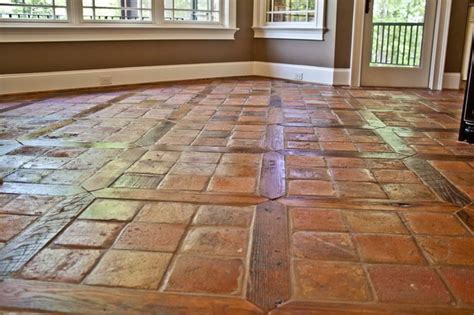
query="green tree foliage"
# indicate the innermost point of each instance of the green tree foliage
(399, 10)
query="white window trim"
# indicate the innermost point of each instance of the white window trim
(75, 29)
(288, 30)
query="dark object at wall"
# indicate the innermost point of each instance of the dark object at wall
(467, 119)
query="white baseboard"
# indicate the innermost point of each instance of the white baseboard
(63, 80)
(321, 75)
(452, 81)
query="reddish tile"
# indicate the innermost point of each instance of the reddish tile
(409, 192)
(132, 269)
(120, 210)
(337, 162)
(30, 205)
(359, 190)
(323, 246)
(11, 225)
(224, 215)
(389, 249)
(375, 222)
(233, 184)
(435, 224)
(461, 281)
(305, 161)
(64, 265)
(396, 177)
(318, 220)
(448, 250)
(166, 212)
(311, 188)
(150, 237)
(85, 233)
(184, 182)
(330, 281)
(352, 175)
(191, 274)
(219, 241)
(408, 284)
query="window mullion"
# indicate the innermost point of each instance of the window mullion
(74, 9)
(158, 7)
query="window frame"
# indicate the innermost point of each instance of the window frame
(75, 28)
(289, 30)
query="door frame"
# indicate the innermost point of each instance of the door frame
(440, 43)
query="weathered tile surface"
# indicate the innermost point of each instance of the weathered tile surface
(226, 192)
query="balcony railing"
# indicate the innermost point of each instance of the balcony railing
(397, 44)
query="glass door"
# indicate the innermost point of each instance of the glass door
(398, 43)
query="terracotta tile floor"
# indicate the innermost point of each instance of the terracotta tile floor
(236, 196)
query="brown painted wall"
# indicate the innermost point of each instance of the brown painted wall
(345, 15)
(39, 57)
(456, 39)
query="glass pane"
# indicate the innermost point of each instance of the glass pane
(291, 11)
(397, 34)
(117, 10)
(33, 10)
(192, 10)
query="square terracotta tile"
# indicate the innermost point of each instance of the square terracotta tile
(191, 274)
(150, 167)
(241, 158)
(375, 222)
(86, 233)
(220, 241)
(201, 169)
(396, 177)
(324, 246)
(352, 175)
(409, 192)
(360, 190)
(119, 210)
(166, 212)
(448, 250)
(389, 249)
(408, 285)
(184, 182)
(233, 184)
(461, 281)
(330, 281)
(11, 225)
(224, 215)
(131, 269)
(200, 157)
(237, 170)
(64, 265)
(317, 220)
(30, 205)
(435, 224)
(308, 173)
(150, 237)
(311, 188)
(305, 161)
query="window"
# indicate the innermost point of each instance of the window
(192, 10)
(85, 20)
(289, 19)
(33, 10)
(116, 10)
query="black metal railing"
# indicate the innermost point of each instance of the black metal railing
(397, 44)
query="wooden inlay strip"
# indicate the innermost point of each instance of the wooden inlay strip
(440, 185)
(155, 134)
(272, 178)
(269, 283)
(178, 196)
(73, 298)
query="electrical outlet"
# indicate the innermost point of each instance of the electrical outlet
(105, 80)
(299, 76)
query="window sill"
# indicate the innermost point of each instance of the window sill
(279, 32)
(55, 32)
